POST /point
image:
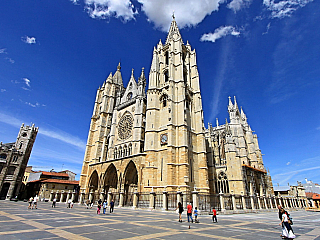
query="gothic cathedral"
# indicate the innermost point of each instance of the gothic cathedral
(156, 141)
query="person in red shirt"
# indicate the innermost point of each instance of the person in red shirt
(214, 215)
(189, 212)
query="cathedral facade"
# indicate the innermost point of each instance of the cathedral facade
(155, 141)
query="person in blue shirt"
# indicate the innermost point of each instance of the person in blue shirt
(196, 215)
(104, 205)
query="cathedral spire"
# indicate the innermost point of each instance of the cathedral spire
(235, 103)
(174, 33)
(117, 78)
(142, 77)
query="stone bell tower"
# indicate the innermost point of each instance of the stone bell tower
(174, 137)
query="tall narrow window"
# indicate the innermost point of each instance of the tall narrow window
(161, 168)
(166, 76)
(167, 58)
(164, 100)
(191, 170)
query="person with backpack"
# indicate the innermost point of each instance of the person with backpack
(287, 231)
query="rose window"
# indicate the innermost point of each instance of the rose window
(125, 126)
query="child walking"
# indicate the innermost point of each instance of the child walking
(196, 215)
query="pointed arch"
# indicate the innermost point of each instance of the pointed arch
(115, 153)
(131, 175)
(110, 178)
(164, 100)
(130, 149)
(94, 181)
(223, 184)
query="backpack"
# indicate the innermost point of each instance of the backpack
(289, 219)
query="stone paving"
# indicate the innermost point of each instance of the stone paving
(17, 222)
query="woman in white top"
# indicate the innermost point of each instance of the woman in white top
(287, 231)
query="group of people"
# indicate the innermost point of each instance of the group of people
(286, 222)
(103, 205)
(195, 212)
(33, 202)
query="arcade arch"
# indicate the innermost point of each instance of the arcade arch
(110, 179)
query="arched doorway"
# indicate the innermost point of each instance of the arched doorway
(130, 183)
(110, 179)
(4, 191)
(93, 185)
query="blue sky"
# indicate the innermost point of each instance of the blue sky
(55, 54)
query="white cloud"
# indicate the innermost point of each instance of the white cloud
(26, 81)
(236, 5)
(64, 137)
(288, 163)
(187, 12)
(3, 50)
(219, 33)
(29, 40)
(10, 60)
(284, 8)
(123, 9)
(59, 135)
(3, 90)
(33, 105)
(268, 27)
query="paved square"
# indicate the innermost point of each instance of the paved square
(17, 222)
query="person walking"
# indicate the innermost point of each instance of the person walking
(87, 203)
(30, 202)
(69, 203)
(180, 211)
(196, 215)
(111, 206)
(35, 202)
(189, 212)
(105, 205)
(98, 208)
(214, 215)
(287, 231)
(54, 201)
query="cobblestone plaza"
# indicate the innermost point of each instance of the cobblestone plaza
(17, 222)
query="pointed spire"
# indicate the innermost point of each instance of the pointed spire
(235, 102)
(217, 122)
(230, 102)
(132, 76)
(228, 131)
(109, 78)
(142, 77)
(117, 78)
(174, 30)
(188, 45)
(243, 115)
